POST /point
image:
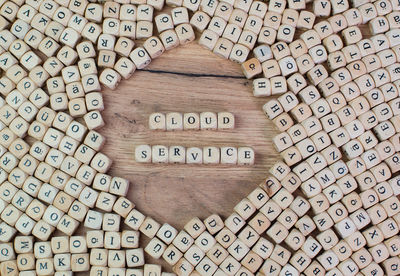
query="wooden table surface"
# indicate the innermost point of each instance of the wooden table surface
(187, 79)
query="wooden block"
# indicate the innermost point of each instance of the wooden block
(129, 239)
(211, 155)
(287, 218)
(311, 38)
(35, 209)
(378, 25)
(208, 120)
(183, 241)
(10, 215)
(277, 232)
(158, 5)
(23, 244)
(124, 67)
(391, 206)
(194, 255)
(300, 261)
(282, 141)
(302, 111)
(300, 206)
(95, 239)
(195, 227)
(239, 53)
(179, 15)
(280, 255)
(229, 155)
(94, 101)
(222, 10)
(170, 39)
(94, 120)
(271, 267)
(290, 17)
(45, 266)
(177, 154)
(112, 240)
(267, 35)
(205, 241)
(174, 121)
(106, 58)
(200, 20)
(183, 267)
(262, 53)
(164, 22)
(287, 66)
(271, 68)
(94, 140)
(245, 156)
(167, 233)
(390, 244)
(217, 25)
(373, 236)
(77, 244)
(26, 261)
(67, 225)
(42, 230)
(278, 85)
(208, 39)
(171, 255)
(345, 227)
(111, 10)
(305, 225)
(80, 262)
(238, 17)
(217, 254)
(253, 24)
(271, 210)
(295, 239)
(311, 247)
(342, 250)
(230, 265)
(148, 226)
(251, 263)
(140, 57)
(283, 122)
(110, 78)
(94, 12)
(223, 47)
(111, 222)
(159, 154)
(191, 121)
(379, 253)
(60, 245)
(42, 250)
(117, 259)
(234, 222)
(373, 267)
(154, 47)
(391, 265)
(244, 208)
(285, 33)
(115, 26)
(194, 155)
(98, 257)
(93, 219)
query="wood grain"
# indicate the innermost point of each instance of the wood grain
(187, 79)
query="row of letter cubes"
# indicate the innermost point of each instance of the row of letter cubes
(194, 155)
(191, 121)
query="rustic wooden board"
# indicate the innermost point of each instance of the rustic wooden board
(187, 79)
